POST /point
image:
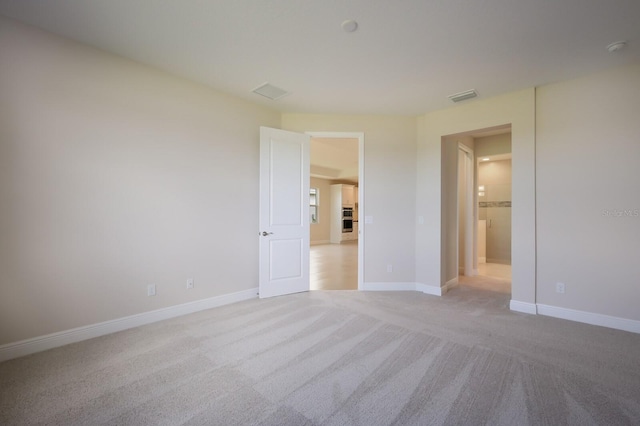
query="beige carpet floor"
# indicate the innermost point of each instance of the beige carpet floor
(337, 358)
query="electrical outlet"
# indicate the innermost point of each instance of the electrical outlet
(560, 288)
(151, 290)
(389, 268)
(190, 283)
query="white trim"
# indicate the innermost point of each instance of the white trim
(624, 324)
(54, 340)
(632, 326)
(482, 260)
(404, 286)
(430, 289)
(524, 307)
(453, 282)
(320, 242)
(397, 286)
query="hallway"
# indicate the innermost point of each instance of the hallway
(334, 266)
(491, 276)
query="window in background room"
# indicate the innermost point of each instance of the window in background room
(314, 198)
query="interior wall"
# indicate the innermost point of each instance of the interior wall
(462, 211)
(463, 208)
(454, 206)
(320, 231)
(113, 176)
(449, 218)
(389, 188)
(517, 109)
(588, 152)
(492, 145)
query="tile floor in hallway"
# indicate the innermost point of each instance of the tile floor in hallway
(491, 276)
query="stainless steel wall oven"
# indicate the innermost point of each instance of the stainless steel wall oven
(347, 219)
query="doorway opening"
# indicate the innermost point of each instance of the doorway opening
(476, 202)
(336, 238)
(494, 168)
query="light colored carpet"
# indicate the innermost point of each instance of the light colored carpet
(337, 358)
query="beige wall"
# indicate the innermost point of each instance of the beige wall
(465, 208)
(449, 200)
(493, 145)
(114, 176)
(588, 198)
(495, 173)
(389, 188)
(320, 231)
(515, 108)
(454, 205)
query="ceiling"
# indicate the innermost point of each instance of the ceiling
(335, 159)
(405, 58)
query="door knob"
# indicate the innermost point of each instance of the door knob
(265, 233)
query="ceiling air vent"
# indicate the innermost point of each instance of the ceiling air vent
(463, 95)
(269, 91)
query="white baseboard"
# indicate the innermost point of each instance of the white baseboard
(590, 318)
(318, 242)
(397, 286)
(482, 260)
(449, 285)
(524, 307)
(54, 340)
(430, 289)
(41, 343)
(403, 286)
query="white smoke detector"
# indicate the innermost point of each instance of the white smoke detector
(349, 26)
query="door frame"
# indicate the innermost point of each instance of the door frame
(361, 184)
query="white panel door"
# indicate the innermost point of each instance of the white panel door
(284, 212)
